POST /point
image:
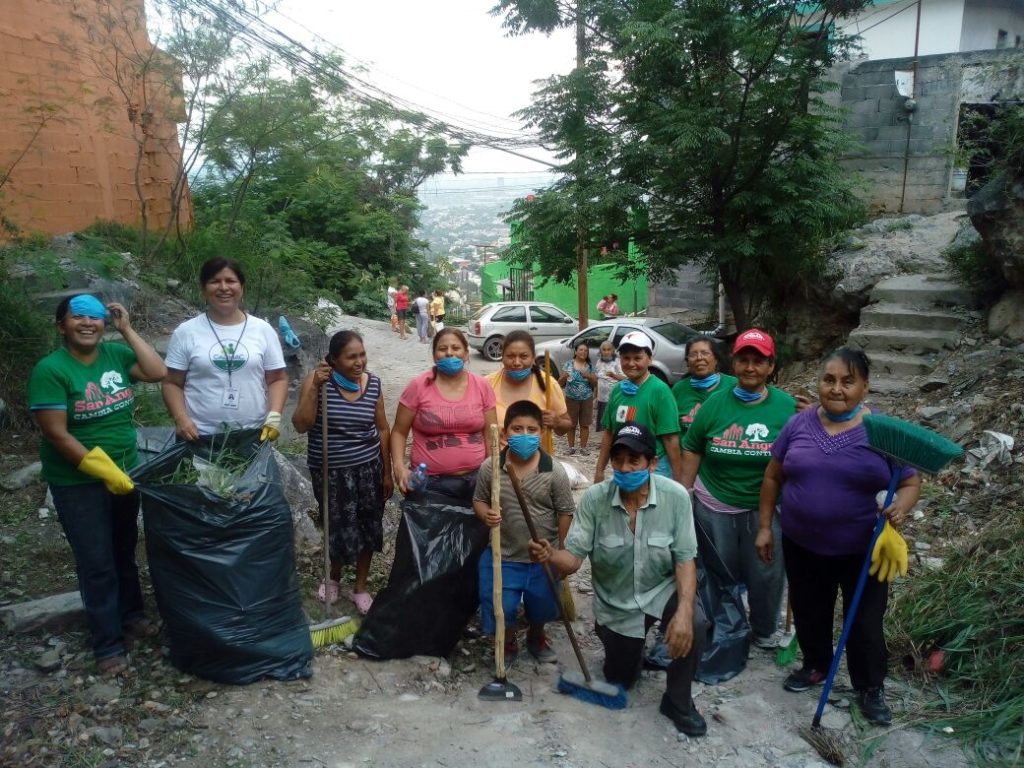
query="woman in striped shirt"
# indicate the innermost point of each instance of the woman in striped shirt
(358, 459)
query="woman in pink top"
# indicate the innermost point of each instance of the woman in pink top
(449, 412)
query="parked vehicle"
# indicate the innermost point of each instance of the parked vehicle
(487, 328)
(669, 339)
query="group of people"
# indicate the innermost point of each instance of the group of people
(428, 312)
(776, 494)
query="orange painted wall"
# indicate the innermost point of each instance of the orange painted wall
(69, 78)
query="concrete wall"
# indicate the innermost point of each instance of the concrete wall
(690, 300)
(984, 18)
(876, 119)
(81, 136)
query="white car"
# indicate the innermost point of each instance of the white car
(488, 327)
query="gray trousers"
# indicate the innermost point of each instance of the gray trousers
(726, 546)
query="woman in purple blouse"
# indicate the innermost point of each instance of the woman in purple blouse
(829, 479)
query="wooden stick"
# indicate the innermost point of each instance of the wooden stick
(548, 438)
(496, 594)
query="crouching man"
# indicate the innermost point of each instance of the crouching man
(637, 530)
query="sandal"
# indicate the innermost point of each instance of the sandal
(363, 601)
(328, 592)
(112, 665)
(142, 628)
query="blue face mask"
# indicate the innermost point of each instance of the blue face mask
(451, 366)
(628, 387)
(518, 375)
(524, 446)
(841, 417)
(746, 396)
(87, 306)
(707, 382)
(630, 481)
(346, 384)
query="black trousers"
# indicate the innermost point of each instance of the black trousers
(623, 656)
(814, 582)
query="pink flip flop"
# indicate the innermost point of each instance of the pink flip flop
(328, 592)
(363, 601)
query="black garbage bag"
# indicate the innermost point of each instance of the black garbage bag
(223, 566)
(432, 590)
(725, 654)
(153, 440)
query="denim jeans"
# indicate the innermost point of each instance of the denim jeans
(726, 543)
(102, 531)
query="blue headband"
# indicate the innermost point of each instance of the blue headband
(87, 306)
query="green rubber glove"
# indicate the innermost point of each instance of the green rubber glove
(889, 556)
(97, 464)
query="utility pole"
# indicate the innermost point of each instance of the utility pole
(583, 303)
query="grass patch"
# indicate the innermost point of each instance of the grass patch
(972, 609)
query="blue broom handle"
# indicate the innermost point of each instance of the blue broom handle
(851, 613)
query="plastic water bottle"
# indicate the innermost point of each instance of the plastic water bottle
(418, 480)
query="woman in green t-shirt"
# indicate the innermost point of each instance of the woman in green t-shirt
(725, 452)
(705, 362)
(82, 398)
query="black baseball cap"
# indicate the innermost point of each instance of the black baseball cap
(637, 438)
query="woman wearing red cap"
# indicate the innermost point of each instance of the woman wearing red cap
(725, 453)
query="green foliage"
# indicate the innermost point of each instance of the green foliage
(972, 609)
(974, 267)
(700, 129)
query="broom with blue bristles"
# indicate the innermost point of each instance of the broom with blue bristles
(584, 688)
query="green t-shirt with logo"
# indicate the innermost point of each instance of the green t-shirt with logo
(735, 442)
(689, 400)
(653, 406)
(99, 401)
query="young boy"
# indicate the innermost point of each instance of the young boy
(546, 489)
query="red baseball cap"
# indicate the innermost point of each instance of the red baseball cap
(757, 339)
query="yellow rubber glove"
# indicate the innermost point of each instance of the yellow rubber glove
(270, 427)
(889, 556)
(97, 464)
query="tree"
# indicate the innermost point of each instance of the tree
(570, 220)
(724, 124)
(698, 128)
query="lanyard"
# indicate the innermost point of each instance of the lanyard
(229, 357)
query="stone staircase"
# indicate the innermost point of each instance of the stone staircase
(911, 319)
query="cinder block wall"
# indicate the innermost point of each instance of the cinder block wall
(79, 138)
(877, 121)
(690, 300)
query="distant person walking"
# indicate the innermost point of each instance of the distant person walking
(392, 315)
(437, 310)
(421, 308)
(402, 308)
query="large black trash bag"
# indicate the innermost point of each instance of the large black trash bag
(223, 569)
(152, 441)
(725, 654)
(433, 588)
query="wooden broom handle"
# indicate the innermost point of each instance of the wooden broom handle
(496, 593)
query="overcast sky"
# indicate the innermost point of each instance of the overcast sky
(449, 57)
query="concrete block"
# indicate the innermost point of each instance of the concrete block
(912, 342)
(883, 91)
(885, 315)
(867, 106)
(920, 291)
(54, 613)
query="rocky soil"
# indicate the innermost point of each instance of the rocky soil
(425, 712)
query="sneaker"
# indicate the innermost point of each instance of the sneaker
(769, 643)
(584, 451)
(803, 680)
(691, 723)
(873, 706)
(541, 650)
(112, 665)
(511, 648)
(571, 452)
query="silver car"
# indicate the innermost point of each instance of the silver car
(669, 339)
(487, 328)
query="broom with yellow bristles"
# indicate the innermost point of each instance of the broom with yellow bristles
(329, 631)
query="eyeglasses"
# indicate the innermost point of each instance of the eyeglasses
(697, 355)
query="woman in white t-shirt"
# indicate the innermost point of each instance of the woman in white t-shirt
(422, 310)
(225, 368)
